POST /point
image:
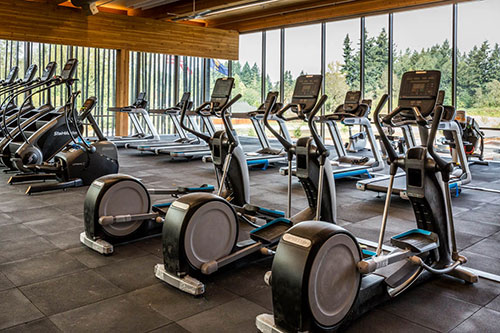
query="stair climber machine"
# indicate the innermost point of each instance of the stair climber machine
(47, 138)
(461, 174)
(118, 210)
(79, 163)
(8, 105)
(322, 280)
(204, 232)
(27, 117)
(138, 116)
(9, 82)
(221, 94)
(181, 137)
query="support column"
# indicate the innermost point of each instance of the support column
(122, 90)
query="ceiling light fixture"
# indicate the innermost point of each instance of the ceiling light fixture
(223, 10)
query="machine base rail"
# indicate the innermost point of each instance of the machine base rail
(187, 284)
(265, 324)
(98, 245)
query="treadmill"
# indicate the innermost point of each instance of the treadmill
(266, 154)
(181, 135)
(136, 113)
(219, 98)
(461, 175)
(354, 112)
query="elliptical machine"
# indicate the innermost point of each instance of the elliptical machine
(322, 280)
(201, 231)
(80, 163)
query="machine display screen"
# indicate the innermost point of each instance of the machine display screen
(308, 87)
(222, 88)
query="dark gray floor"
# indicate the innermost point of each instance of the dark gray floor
(49, 282)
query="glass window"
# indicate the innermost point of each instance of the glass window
(422, 41)
(272, 60)
(191, 78)
(302, 54)
(376, 57)
(342, 60)
(479, 67)
(247, 72)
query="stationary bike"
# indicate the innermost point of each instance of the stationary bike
(81, 162)
(201, 231)
(321, 279)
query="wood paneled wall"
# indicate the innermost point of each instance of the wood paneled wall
(46, 23)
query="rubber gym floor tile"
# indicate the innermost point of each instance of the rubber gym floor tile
(35, 214)
(131, 274)
(475, 228)
(117, 314)
(235, 316)
(377, 321)
(69, 292)
(466, 240)
(175, 304)
(151, 245)
(484, 321)
(40, 268)
(93, 259)
(40, 325)
(66, 239)
(482, 215)
(262, 297)
(15, 232)
(422, 306)
(170, 328)
(6, 219)
(494, 304)
(487, 247)
(359, 211)
(15, 309)
(54, 225)
(5, 282)
(24, 248)
(242, 280)
(489, 264)
(480, 293)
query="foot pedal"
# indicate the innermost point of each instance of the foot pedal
(416, 240)
(187, 283)
(98, 245)
(271, 232)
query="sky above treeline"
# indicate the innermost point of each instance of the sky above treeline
(415, 29)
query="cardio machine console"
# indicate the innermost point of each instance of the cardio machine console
(352, 100)
(306, 92)
(49, 71)
(12, 75)
(30, 73)
(140, 101)
(69, 69)
(419, 89)
(222, 91)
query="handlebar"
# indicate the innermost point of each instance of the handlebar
(226, 121)
(391, 153)
(200, 135)
(445, 167)
(314, 132)
(284, 142)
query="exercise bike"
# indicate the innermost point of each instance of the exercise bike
(81, 162)
(201, 231)
(321, 279)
